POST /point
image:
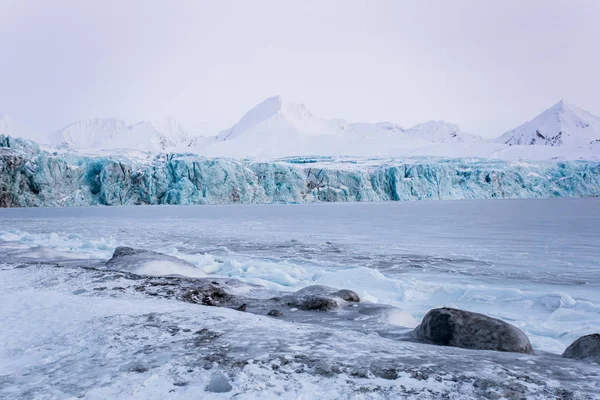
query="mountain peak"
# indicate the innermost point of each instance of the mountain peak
(274, 112)
(564, 105)
(562, 124)
(277, 99)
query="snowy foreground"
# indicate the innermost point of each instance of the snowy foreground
(30, 176)
(75, 327)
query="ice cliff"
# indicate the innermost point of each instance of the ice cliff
(30, 176)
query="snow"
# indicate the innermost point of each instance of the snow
(563, 124)
(112, 133)
(278, 128)
(277, 116)
(88, 332)
(441, 132)
(9, 126)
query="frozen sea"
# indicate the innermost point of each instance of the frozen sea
(70, 329)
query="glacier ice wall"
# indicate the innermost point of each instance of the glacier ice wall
(30, 176)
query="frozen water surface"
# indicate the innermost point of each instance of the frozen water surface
(72, 329)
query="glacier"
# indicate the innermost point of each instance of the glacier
(31, 176)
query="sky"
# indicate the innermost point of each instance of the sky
(487, 66)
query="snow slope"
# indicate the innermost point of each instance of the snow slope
(9, 126)
(279, 117)
(563, 124)
(276, 128)
(441, 132)
(112, 133)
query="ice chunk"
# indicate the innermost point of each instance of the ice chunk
(218, 383)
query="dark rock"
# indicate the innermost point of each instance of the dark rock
(275, 313)
(206, 336)
(385, 373)
(242, 307)
(347, 295)
(314, 297)
(124, 251)
(459, 328)
(320, 303)
(585, 348)
(208, 295)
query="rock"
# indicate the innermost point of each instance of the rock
(208, 294)
(242, 308)
(318, 297)
(275, 313)
(148, 262)
(125, 251)
(218, 383)
(347, 295)
(320, 303)
(585, 348)
(459, 328)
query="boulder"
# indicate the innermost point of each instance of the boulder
(152, 263)
(585, 348)
(347, 295)
(125, 251)
(275, 313)
(320, 298)
(209, 294)
(459, 328)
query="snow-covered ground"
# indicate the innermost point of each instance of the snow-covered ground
(72, 329)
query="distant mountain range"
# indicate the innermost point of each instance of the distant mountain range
(276, 127)
(274, 116)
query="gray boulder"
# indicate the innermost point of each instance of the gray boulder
(347, 295)
(122, 251)
(585, 348)
(129, 259)
(459, 328)
(320, 298)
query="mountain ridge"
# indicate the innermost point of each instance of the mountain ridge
(277, 127)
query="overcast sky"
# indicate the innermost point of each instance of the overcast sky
(485, 65)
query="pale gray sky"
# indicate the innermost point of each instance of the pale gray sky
(485, 65)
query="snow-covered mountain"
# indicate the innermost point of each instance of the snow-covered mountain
(563, 124)
(274, 116)
(9, 126)
(277, 127)
(277, 118)
(441, 132)
(111, 133)
(280, 128)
